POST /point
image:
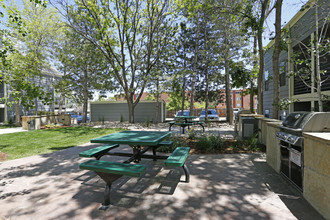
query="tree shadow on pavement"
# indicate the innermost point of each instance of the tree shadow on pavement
(236, 186)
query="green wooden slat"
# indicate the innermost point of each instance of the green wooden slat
(189, 123)
(147, 138)
(113, 167)
(97, 150)
(178, 157)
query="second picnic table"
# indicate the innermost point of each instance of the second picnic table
(185, 121)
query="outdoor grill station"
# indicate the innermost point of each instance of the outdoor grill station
(291, 142)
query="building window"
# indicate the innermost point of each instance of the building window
(266, 85)
(238, 105)
(238, 92)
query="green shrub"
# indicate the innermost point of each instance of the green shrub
(209, 144)
(253, 143)
(148, 122)
(10, 121)
(122, 118)
(237, 145)
(192, 134)
(203, 144)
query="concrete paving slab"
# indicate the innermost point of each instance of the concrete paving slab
(236, 186)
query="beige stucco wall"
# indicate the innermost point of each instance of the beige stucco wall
(45, 119)
(262, 126)
(273, 153)
(27, 119)
(316, 180)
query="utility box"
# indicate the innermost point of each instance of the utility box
(248, 125)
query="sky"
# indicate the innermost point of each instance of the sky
(289, 10)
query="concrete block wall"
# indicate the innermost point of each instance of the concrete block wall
(316, 179)
(262, 125)
(273, 150)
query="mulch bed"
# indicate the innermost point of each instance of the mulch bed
(62, 126)
(3, 156)
(227, 149)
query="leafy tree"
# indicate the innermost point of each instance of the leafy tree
(14, 17)
(130, 34)
(29, 60)
(174, 99)
(229, 34)
(85, 68)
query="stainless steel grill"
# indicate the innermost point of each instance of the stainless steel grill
(292, 141)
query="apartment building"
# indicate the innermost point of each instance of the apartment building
(299, 35)
(47, 80)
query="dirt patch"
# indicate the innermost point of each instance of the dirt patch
(55, 126)
(3, 156)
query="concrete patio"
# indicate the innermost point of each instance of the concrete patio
(236, 186)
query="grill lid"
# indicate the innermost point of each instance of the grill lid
(296, 119)
(307, 121)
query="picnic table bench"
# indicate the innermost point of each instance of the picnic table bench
(98, 152)
(111, 171)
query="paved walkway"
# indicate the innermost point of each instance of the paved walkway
(51, 186)
(11, 130)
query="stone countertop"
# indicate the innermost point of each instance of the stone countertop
(276, 123)
(320, 136)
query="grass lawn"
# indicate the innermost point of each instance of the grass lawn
(7, 126)
(24, 144)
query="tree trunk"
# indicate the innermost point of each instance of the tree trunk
(183, 79)
(60, 103)
(192, 95)
(276, 55)
(130, 108)
(157, 102)
(18, 116)
(317, 59)
(183, 93)
(85, 102)
(228, 88)
(261, 57)
(206, 75)
(255, 42)
(260, 75)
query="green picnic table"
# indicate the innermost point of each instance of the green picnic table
(185, 121)
(141, 142)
